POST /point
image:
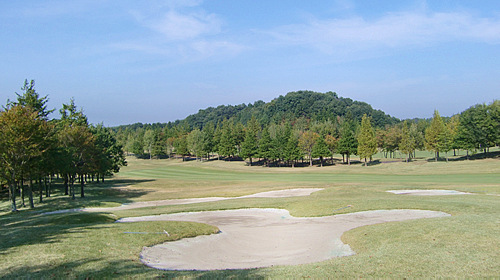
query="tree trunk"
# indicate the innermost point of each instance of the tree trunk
(72, 186)
(82, 185)
(12, 193)
(40, 188)
(348, 159)
(66, 187)
(30, 194)
(21, 193)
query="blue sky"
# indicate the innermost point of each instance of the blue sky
(158, 61)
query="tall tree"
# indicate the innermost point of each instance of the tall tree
(181, 146)
(79, 144)
(306, 143)
(265, 145)
(249, 145)
(109, 155)
(293, 152)
(433, 134)
(23, 140)
(320, 150)
(367, 143)
(331, 143)
(195, 143)
(347, 144)
(407, 144)
(30, 98)
(227, 144)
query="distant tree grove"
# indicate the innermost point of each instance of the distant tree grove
(303, 140)
(34, 149)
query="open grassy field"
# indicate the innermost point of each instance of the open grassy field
(90, 245)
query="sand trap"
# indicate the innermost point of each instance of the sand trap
(134, 205)
(251, 238)
(428, 192)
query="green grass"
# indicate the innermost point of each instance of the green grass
(91, 245)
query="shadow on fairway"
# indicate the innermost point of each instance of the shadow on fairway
(117, 269)
(477, 156)
(30, 226)
(27, 228)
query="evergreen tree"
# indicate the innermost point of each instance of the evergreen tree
(320, 150)
(265, 145)
(249, 145)
(30, 98)
(227, 144)
(292, 152)
(347, 144)
(181, 146)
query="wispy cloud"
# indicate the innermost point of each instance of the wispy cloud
(182, 29)
(392, 30)
(178, 26)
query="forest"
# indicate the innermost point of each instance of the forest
(309, 125)
(300, 128)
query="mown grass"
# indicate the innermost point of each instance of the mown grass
(91, 245)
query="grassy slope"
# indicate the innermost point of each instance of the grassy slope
(89, 245)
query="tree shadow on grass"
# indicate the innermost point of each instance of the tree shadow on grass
(477, 156)
(95, 195)
(82, 269)
(25, 228)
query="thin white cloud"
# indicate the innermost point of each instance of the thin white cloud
(177, 26)
(183, 30)
(391, 30)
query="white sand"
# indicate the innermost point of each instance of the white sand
(253, 238)
(428, 192)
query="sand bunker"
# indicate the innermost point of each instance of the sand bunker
(134, 205)
(427, 192)
(251, 238)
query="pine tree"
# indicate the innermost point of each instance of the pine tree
(347, 144)
(292, 152)
(227, 144)
(320, 149)
(249, 145)
(265, 145)
(367, 143)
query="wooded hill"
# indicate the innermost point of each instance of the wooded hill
(310, 105)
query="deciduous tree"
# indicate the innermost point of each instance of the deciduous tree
(367, 143)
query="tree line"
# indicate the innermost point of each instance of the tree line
(34, 149)
(292, 140)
